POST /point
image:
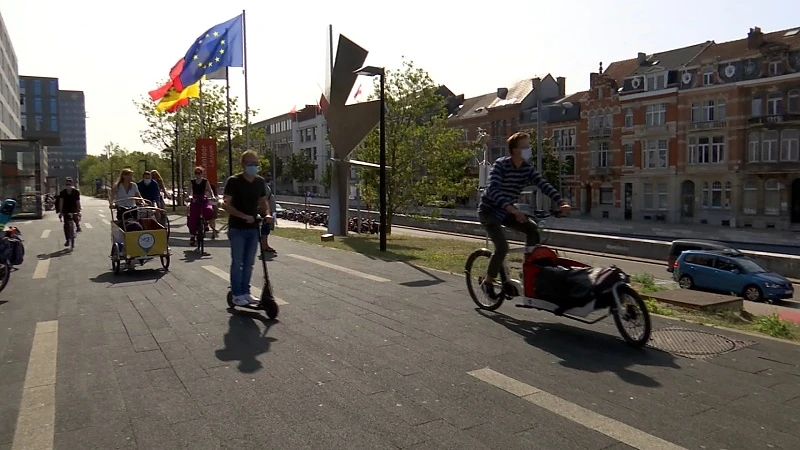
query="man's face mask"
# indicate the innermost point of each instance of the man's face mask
(147, 181)
(69, 187)
(526, 153)
(251, 169)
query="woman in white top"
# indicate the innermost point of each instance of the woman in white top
(125, 192)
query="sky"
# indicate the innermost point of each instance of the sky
(117, 54)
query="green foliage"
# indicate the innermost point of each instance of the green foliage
(115, 158)
(300, 168)
(427, 158)
(325, 179)
(774, 326)
(205, 117)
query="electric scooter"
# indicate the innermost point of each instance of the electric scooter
(267, 301)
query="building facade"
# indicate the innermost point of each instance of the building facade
(10, 126)
(310, 133)
(63, 159)
(38, 99)
(279, 139)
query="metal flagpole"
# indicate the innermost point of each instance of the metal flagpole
(228, 121)
(179, 156)
(246, 99)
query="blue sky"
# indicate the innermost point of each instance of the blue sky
(117, 53)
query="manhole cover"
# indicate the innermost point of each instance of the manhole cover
(693, 343)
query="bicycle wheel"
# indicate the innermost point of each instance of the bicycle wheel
(475, 272)
(201, 234)
(634, 312)
(5, 274)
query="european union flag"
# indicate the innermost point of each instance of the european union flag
(220, 46)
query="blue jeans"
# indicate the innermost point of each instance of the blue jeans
(244, 244)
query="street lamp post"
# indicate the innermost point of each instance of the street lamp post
(373, 71)
(230, 145)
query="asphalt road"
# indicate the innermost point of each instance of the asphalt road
(366, 354)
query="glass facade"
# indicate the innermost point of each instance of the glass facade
(23, 174)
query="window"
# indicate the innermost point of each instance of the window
(718, 149)
(754, 148)
(790, 145)
(37, 105)
(37, 87)
(655, 154)
(663, 196)
(716, 194)
(649, 201)
(628, 150)
(756, 107)
(628, 117)
(708, 77)
(564, 139)
(655, 82)
(772, 198)
(53, 106)
(53, 87)
(769, 146)
(53, 123)
(794, 101)
(38, 123)
(775, 67)
(749, 197)
(656, 114)
(774, 104)
(606, 196)
(708, 111)
(600, 154)
(22, 99)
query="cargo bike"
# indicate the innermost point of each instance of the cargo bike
(137, 236)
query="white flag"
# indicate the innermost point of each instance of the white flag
(217, 75)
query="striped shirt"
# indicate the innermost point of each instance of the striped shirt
(506, 182)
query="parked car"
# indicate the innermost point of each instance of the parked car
(279, 210)
(681, 245)
(723, 272)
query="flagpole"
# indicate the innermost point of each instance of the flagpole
(246, 99)
(228, 121)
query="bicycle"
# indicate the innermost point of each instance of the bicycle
(200, 233)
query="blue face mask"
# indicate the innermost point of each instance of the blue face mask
(251, 169)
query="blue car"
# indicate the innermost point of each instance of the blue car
(726, 273)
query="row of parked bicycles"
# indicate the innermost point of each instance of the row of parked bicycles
(355, 224)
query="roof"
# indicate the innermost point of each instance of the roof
(619, 70)
(737, 49)
(672, 59)
(573, 98)
(516, 94)
(474, 106)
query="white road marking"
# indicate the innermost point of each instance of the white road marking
(37, 413)
(45, 234)
(105, 221)
(614, 429)
(341, 269)
(41, 269)
(101, 215)
(253, 290)
(27, 222)
(88, 226)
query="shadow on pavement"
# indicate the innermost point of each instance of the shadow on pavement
(191, 255)
(181, 239)
(431, 281)
(61, 252)
(3, 302)
(244, 340)
(587, 350)
(131, 276)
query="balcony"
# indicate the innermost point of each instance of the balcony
(599, 133)
(708, 125)
(771, 168)
(774, 120)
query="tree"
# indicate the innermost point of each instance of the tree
(115, 158)
(427, 158)
(300, 168)
(325, 178)
(203, 117)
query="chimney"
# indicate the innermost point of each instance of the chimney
(641, 57)
(502, 93)
(755, 38)
(562, 86)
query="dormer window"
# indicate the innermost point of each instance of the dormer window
(656, 81)
(708, 77)
(774, 67)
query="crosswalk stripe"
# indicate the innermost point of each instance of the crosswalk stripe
(88, 226)
(45, 234)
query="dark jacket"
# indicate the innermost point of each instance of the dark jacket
(150, 191)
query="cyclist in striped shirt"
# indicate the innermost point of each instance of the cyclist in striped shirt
(509, 175)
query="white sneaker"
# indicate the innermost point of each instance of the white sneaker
(250, 298)
(241, 300)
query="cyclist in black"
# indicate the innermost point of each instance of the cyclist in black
(69, 202)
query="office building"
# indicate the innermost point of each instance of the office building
(10, 126)
(64, 159)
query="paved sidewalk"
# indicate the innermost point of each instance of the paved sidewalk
(366, 355)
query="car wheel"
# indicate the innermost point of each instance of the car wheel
(685, 282)
(752, 293)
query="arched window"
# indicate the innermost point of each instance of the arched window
(772, 198)
(706, 194)
(794, 101)
(726, 196)
(790, 145)
(716, 194)
(769, 146)
(754, 153)
(750, 197)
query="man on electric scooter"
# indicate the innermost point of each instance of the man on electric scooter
(509, 175)
(244, 197)
(69, 202)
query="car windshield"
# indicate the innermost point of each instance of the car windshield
(750, 266)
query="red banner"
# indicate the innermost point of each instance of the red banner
(206, 151)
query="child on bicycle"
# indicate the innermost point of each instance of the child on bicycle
(200, 204)
(509, 175)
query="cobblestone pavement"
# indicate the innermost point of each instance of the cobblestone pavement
(366, 354)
